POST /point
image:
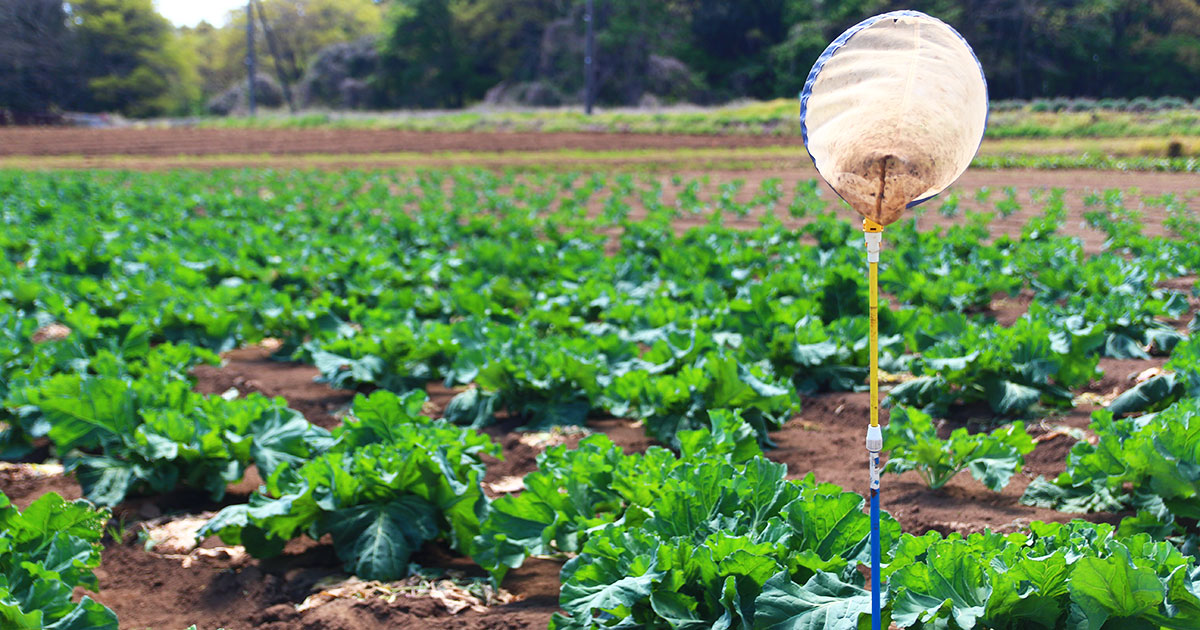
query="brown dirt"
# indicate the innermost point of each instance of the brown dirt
(1031, 188)
(520, 457)
(24, 489)
(147, 590)
(827, 439)
(1119, 374)
(187, 141)
(153, 149)
(1006, 309)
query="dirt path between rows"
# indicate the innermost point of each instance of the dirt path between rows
(191, 141)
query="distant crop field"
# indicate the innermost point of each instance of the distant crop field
(490, 394)
(1058, 118)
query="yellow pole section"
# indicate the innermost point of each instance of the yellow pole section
(873, 279)
(870, 227)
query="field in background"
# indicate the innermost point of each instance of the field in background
(247, 240)
(780, 117)
(157, 148)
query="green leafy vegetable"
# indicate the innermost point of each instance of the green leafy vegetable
(393, 481)
(913, 444)
(575, 491)
(45, 552)
(149, 435)
(682, 541)
(673, 403)
(825, 602)
(1148, 463)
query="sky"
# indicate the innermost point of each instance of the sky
(191, 12)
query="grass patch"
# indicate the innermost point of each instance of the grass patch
(780, 117)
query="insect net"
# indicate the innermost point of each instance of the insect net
(893, 112)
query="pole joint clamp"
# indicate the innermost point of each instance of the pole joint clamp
(874, 240)
(874, 439)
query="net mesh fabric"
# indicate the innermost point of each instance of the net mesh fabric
(894, 112)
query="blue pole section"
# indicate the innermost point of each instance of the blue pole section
(875, 588)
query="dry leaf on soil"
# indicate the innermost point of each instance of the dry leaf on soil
(452, 595)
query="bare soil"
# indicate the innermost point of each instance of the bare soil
(190, 141)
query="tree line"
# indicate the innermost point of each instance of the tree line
(122, 56)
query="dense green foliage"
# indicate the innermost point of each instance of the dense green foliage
(385, 282)
(431, 55)
(123, 56)
(1076, 575)
(90, 55)
(33, 55)
(45, 552)
(301, 30)
(575, 491)
(1145, 455)
(129, 60)
(1146, 463)
(131, 424)
(392, 480)
(661, 541)
(712, 539)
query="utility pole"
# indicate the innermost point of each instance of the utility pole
(589, 61)
(250, 62)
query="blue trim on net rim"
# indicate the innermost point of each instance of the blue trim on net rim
(841, 40)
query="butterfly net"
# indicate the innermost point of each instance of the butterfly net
(893, 112)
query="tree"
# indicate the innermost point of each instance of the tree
(302, 28)
(628, 34)
(201, 48)
(812, 24)
(729, 42)
(1157, 51)
(129, 59)
(425, 52)
(35, 56)
(340, 76)
(1096, 48)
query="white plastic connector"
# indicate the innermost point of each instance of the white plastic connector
(873, 458)
(874, 439)
(874, 239)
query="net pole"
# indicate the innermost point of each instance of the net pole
(873, 233)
